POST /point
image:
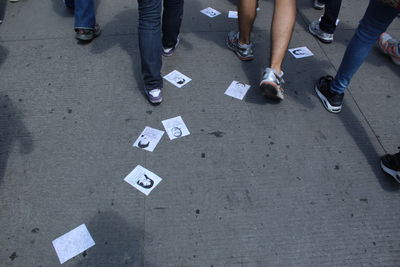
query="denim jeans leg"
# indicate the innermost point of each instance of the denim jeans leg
(150, 42)
(85, 17)
(375, 21)
(171, 21)
(328, 20)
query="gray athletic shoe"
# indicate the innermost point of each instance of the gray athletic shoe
(243, 51)
(315, 30)
(318, 4)
(271, 84)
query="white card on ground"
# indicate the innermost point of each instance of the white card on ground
(175, 128)
(177, 78)
(211, 12)
(233, 14)
(237, 90)
(142, 179)
(73, 243)
(300, 52)
(148, 139)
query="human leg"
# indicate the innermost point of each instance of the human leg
(171, 21)
(239, 42)
(375, 21)
(150, 46)
(85, 17)
(282, 28)
(331, 14)
(247, 12)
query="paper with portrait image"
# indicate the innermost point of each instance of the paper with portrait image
(177, 78)
(300, 52)
(175, 128)
(233, 14)
(237, 90)
(73, 243)
(142, 179)
(148, 139)
(210, 12)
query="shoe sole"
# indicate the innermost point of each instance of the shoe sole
(319, 38)
(325, 102)
(393, 173)
(270, 91)
(228, 44)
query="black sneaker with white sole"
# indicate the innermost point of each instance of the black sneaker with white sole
(391, 165)
(332, 101)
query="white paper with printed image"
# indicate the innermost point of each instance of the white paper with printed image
(237, 90)
(142, 179)
(233, 14)
(176, 78)
(175, 128)
(301, 52)
(149, 139)
(211, 12)
(73, 243)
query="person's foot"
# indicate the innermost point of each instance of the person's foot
(315, 30)
(243, 51)
(331, 100)
(390, 47)
(154, 95)
(318, 4)
(391, 165)
(87, 34)
(271, 84)
(14, 1)
(167, 52)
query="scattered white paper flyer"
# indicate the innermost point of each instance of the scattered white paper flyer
(149, 139)
(177, 78)
(233, 14)
(175, 128)
(237, 90)
(300, 52)
(73, 243)
(142, 179)
(211, 12)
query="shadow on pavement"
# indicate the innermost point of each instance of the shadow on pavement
(12, 130)
(118, 243)
(362, 140)
(3, 5)
(127, 43)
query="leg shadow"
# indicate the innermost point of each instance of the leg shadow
(118, 243)
(12, 130)
(362, 140)
(130, 45)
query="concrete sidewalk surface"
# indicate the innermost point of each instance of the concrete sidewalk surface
(254, 184)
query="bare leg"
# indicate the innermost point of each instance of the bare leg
(247, 14)
(282, 29)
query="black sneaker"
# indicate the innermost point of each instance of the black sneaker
(332, 101)
(391, 165)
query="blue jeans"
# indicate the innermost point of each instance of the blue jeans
(375, 21)
(150, 41)
(84, 11)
